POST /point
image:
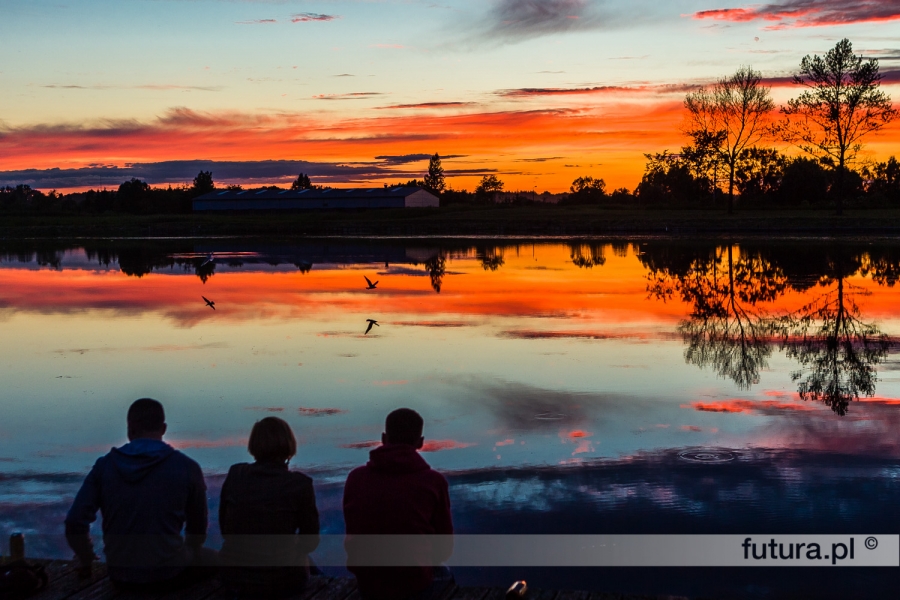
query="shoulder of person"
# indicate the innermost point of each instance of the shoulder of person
(358, 472)
(301, 477)
(438, 477)
(186, 461)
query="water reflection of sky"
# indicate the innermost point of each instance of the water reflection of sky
(550, 357)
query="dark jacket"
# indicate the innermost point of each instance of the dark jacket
(147, 492)
(270, 523)
(396, 492)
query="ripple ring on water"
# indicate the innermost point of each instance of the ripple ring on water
(549, 416)
(707, 455)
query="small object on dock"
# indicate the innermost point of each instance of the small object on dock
(517, 591)
(16, 547)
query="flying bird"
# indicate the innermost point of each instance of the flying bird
(209, 259)
(209, 302)
(371, 322)
(371, 286)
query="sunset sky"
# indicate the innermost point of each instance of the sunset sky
(360, 92)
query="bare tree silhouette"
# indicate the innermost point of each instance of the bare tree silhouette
(725, 330)
(837, 351)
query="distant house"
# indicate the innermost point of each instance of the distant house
(274, 200)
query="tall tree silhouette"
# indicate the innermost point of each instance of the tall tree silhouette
(203, 183)
(842, 103)
(434, 179)
(301, 183)
(733, 113)
(725, 330)
(837, 351)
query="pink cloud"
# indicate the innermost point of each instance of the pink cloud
(319, 412)
(438, 445)
(428, 446)
(361, 445)
(740, 405)
(394, 382)
(204, 443)
(788, 14)
(308, 17)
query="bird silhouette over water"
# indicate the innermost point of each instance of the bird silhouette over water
(371, 322)
(371, 286)
(209, 259)
(209, 302)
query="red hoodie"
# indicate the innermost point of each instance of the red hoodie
(396, 492)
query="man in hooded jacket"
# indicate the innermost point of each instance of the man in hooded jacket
(146, 492)
(398, 493)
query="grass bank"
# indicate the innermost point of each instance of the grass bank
(463, 221)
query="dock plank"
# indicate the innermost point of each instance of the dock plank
(339, 589)
(64, 584)
(570, 595)
(100, 590)
(470, 593)
(67, 582)
(200, 591)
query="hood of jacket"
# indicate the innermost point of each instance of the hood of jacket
(397, 458)
(139, 457)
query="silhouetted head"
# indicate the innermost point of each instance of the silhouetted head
(146, 419)
(403, 426)
(271, 440)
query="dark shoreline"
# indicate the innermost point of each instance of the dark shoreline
(466, 221)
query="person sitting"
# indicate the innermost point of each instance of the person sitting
(268, 517)
(146, 492)
(397, 492)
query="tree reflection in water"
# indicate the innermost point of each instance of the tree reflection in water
(585, 256)
(836, 350)
(491, 257)
(729, 332)
(724, 330)
(437, 268)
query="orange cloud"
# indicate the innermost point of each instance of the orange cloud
(618, 131)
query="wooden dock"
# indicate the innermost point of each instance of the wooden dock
(64, 584)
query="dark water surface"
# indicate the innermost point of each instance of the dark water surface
(568, 387)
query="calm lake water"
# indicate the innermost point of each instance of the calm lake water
(641, 386)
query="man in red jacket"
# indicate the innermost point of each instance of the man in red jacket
(395, 493)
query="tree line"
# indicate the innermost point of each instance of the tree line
(725, 162)
(728, 124)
